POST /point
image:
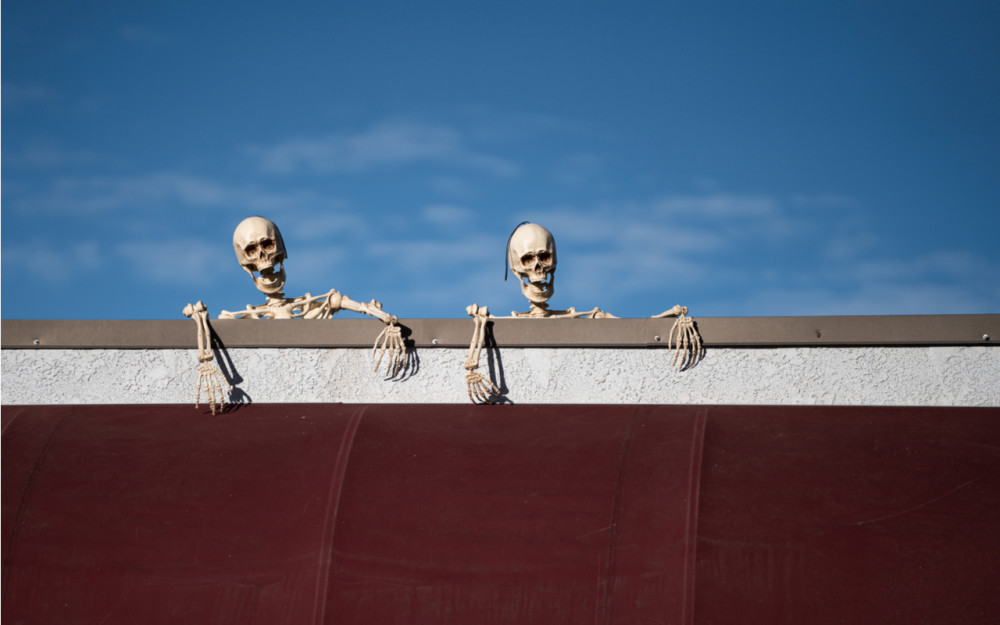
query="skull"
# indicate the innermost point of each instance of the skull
(531, 253)
(259, 249)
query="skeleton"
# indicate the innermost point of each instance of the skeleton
(531, 256)
(260, 250)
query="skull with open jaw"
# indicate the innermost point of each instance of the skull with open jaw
(531, 253)
(261, 252)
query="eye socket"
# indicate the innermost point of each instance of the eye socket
(267, 245)
(527, 259)
(544, 257)
(250, 250)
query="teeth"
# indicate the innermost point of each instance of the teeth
(268, 278)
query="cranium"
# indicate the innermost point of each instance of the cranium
(531, 253)
(260, 250)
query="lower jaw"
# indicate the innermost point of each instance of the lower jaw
(270, 288)
(537, 297)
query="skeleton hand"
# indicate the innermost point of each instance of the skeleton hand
(211, 377)
(391, 340)
(688, 350)
(208, 374)
(480, 389)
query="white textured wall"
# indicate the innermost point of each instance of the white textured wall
(924, 376)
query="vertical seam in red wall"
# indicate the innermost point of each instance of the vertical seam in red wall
(25, 496)
(691, 531)
(330, 518)
(607, 583)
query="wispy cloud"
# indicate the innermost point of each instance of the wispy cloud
(883, 299)
(387, 143)
(44, 154)
(614, 254)
(627, 226)
(718, 205)
(39, 259)
(16, 96)
(578, 169)
(102, 194)
(447, 215)
(436, 256)
(136, 33)
(450, 186)
(182, 261)
(825, 201)
(850, 245)
(337, 223)
(938, 265)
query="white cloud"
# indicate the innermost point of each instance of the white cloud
(43, 261)
(136, 33)
(884, 299)
(450, 186)
(16, 96)
(825, 201)
(438, 256)
(718, 205)
(385, 144)
(89, 194)
(317, 269)
(46, 154)
(97, 194)
(447, 214)
(180, 261)
(578, 169)
(852, 245)
(493, 126)
(333, 222)
(954, 266)
(638, 225)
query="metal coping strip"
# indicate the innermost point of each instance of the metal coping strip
(885, 330)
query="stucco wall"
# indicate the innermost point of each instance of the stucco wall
(919, 376)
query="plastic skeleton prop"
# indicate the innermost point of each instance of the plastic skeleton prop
(260, 250)
(531, 255)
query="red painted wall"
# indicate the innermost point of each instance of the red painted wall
(414, 514)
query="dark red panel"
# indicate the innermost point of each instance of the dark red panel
(24, 443)
(850, 515)
(500, 514)
(162, 514)
(511, 514)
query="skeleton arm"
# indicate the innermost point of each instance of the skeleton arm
(480, 389)
(689, 349)
(208, 374)
(542, 311)
(251, 312)
(390, 339)
(306, 307)
(325, 306)
(596, 313)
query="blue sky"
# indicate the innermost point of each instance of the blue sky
(739, 158)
